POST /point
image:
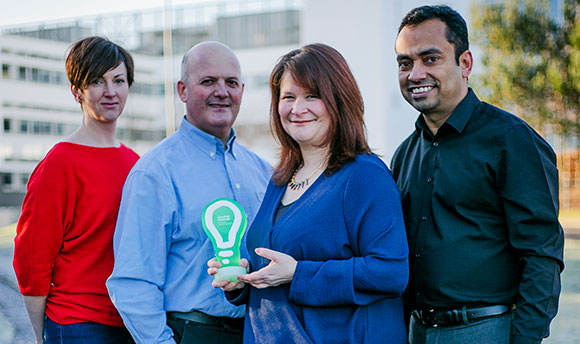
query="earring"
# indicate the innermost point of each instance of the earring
(79, 99)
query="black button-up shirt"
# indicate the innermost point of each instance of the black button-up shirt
(481, 210)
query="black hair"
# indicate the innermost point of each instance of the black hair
(456, 32)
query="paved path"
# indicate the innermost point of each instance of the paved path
(14, 324)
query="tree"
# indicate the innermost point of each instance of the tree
(531, 61)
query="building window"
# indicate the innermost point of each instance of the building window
(7, 180)
(41, 128)
(24, 126)
(5, 71)
(22, 73)
(24, 178)
(7, 125)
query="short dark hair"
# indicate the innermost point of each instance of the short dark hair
(456, 32)
(91, 57)
(323, 71)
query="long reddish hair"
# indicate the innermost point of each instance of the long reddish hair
(323, 71)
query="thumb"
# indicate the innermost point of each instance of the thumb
(268, 254)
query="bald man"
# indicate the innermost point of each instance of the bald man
(159, 283)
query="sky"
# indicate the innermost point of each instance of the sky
(26, 11)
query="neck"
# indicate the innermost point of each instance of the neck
(313, 158)
(95, 134)
(434, 122)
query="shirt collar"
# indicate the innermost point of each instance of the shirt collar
(207, 142)
(459, 117)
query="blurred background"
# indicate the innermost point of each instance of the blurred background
(526, 60)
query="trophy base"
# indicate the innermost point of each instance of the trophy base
(229, 273)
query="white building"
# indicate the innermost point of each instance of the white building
(37, 109)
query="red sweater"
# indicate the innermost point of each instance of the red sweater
(64, 239)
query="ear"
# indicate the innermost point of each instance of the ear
(77, 94)
(466, 63)
(181, 91)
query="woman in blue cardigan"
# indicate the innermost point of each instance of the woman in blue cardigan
(328, 251)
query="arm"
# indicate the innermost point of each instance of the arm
(529, 191)
(35, 305)
(40, 235)
(141, 245)
(379, 269)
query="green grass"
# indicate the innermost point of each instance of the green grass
(570, 213)
(7, 234)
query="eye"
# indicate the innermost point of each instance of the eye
(287, 97)
(233, 83)
(405, 65)
(431, 59)
(312, 96)
(97, 82)
(120, 81)
(207, 82)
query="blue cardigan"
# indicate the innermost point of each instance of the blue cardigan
(348, 236)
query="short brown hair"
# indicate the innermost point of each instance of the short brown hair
(91, 57)
(323, 71)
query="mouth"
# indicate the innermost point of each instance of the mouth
(420, 91)
(219, 105)
(109, 105)
(302, 121)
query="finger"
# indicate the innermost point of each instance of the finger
(212, 271)
(269, 254)
(213, 263)
(244, 263)
(233, 286)
(219, 284)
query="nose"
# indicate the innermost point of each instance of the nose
(220, 89)
(299, 107)
(417, 73)
(109, 89)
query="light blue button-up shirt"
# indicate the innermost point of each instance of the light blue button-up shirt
(160, 247)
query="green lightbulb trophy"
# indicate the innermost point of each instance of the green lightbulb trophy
(224, 221)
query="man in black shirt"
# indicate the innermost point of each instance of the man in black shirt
(479, 190)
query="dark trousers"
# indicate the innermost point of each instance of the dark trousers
(83, 333)
(189, 332)
(494, 330)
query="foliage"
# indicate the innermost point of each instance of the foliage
(531, 61)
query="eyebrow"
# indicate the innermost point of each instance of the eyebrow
(422, 53)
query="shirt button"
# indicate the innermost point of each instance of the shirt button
(226, 157)
(417, 255)
(435, 144)
(211, 154)
(429, 180)
(237, 186)
(424, 218)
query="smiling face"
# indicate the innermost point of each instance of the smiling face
(429, 76)
(302, 113)
(103, 100)
(212, 90)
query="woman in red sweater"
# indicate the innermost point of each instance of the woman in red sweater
(63, 248)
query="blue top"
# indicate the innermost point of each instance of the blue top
(348, 236)
(160, 247)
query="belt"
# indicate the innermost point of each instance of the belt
(464, 315)
(202, 318)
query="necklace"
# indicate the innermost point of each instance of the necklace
(299, 185)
